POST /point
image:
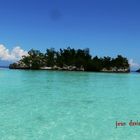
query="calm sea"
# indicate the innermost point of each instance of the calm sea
(52, 105)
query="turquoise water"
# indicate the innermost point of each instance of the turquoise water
(52, 105)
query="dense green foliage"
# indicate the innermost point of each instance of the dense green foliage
(80, 58)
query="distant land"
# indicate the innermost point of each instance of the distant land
(4, 66)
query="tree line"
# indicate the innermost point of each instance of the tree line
(77, 58)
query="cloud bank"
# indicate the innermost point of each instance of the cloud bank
(14, 55)
(133, 64)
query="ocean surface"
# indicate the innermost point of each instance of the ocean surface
(56, 105)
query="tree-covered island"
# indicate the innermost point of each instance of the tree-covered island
(72, 60)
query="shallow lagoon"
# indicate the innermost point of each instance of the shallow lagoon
(56, 105)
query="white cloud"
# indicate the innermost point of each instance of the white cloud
(133, 64)
(14, 55)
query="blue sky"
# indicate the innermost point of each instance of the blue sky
(107, 27)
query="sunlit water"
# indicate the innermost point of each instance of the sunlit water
(52, 105)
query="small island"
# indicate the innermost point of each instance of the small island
(71, 59)
(138, 70)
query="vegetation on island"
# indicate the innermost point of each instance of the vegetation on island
(71, 59)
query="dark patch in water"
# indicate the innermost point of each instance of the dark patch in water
(76, 102)
(88, 101)
(40, 118)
